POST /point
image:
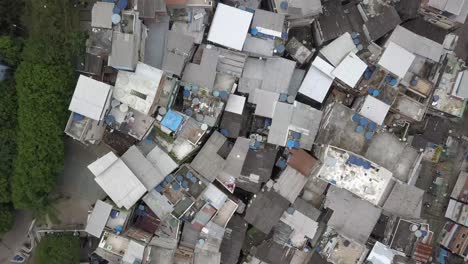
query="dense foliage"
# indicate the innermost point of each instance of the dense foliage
(44, 82)
(7, 217)
(10, 16)
(10, 50)
(58, 249)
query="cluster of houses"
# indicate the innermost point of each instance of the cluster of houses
(268, 131)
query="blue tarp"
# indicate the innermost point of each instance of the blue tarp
(172, 120)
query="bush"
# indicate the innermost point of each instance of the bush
(58, 249)
(7, 217)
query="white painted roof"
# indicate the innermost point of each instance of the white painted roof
(148, 72)
(350, 70)
(98, 218)
(235, 104)
(381, 254)
(129, 84)
(90, 98)
(101, 15)
(318, 80)
(117, 180)
(230, 26)
(374, 109)
(337, 50)
(397, 60)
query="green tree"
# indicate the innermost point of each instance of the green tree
(58, 249)
(7, 217)
(10, 15)
(10, 50)
(8, 109)
(45, 80)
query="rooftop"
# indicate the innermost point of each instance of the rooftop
(350, 70)
(374, 109)
(266, 210)
(363, 178)
(208, 162)
(397, 60)
(229, 26)
(348, 215)
(91, 98)
(337, 50)
(318, 80)
(297, 122)
(416, 44)
(460, 190)
(404, 201)
(102, 15)
(117, 180)
(138, 90)
(98, 218)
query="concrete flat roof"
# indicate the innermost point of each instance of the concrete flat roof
(352, 217)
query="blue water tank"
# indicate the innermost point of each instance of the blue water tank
(290, 143)
(370, 90)
(359, 129)
(224, 132)
(110, 119)
(185, 184)
(372, 126)
(159, 188)
(254, 31)
(435, 98)
(366, 165)
(195, 88)
(179, 178)
(376, 93)
(296, 135)
(224, 95)
(175, 186)
(283, 97)
(188, 87)
(122, 4)
(195, 101)
(188, 111)
(284, 5)
(194, 179)
(168, 178)
(186, 93)
(189, 175)
(78, 117)
(116, 10)
(297, 144)
(282, 163)
(280, 48)
(369, 135)
(354, 35)
(356, 41)
(215, 93)
(290, 210)
(284, 35)
(356, 118)
(363, 122)
(414, 82)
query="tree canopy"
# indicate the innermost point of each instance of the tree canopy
(58, 249)
(45, 80)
